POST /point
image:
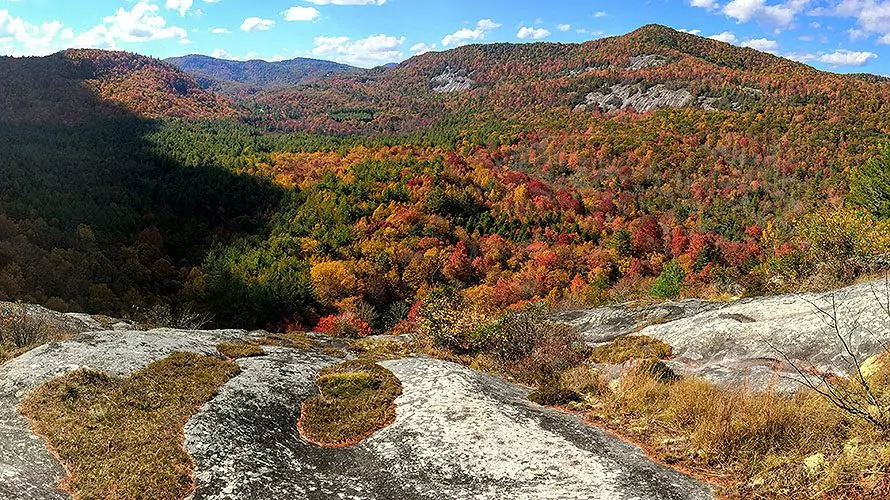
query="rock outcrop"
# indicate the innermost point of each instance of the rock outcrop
(743, 342)
(452, 81)
(457, 434)
(622, 96)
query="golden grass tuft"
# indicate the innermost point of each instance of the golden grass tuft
(356, 399)
(294, 340)
(240, 350)
(630, 347)
(122, 438)
(380, 349)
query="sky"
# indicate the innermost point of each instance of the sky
(835, 35)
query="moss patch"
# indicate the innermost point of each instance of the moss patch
(630, 347)
(379, 349)
(355, 399)
(240, 350)
(122, 438)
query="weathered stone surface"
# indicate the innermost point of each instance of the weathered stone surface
(622, 96)
(740, 342)
(27, 470)
(646, 61)
(458, 434)
(452, 81)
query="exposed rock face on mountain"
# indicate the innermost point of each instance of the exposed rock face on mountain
(621, 96)
(452, 81)
(457, 434)
(743, 342)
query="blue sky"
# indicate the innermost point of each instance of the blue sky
(837, 35)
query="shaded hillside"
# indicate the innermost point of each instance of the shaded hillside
(64, 87)
(246, 76)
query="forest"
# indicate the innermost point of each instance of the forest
(344, 203)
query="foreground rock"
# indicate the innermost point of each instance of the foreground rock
(742, 342)
(458, 434)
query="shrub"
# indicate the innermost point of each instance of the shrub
(583, 380)
(343, 325)
(668, 283)
(629, 347)
(656, 369)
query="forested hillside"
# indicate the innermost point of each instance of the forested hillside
(236, 77)
(653, 164)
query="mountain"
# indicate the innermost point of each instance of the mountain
(652, 68)
(64, 87)
(233, 76)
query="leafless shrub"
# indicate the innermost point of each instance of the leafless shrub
(162, 315)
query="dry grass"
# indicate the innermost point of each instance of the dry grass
(630, 347)
(122, 439)
(380, 349)
(294, 340)
(240, 350)
(758, 445)
(355, 399)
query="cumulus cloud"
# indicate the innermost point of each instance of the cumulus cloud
(179, 5)
(762, 44)
(780, 15)
(366, 52)
(705, 4)
(32, 39)
(532, 33)
(726, 36)
(564, 27)
(422, 48)
(300, 14)
(256, 24)
(140, 24)
(837, 58)
(466, 35)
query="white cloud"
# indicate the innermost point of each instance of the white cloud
(847, 58)
(31, 39)
(256, 24)
(421, 48)
(691, 32)
(300, 14)
(366, 52)
(726, 36)
(563, 27)
(220, 31)
(347, 2)
(781, 15)
(465, 35)
(179, 5)
(140, 24)
(762, 44)
(836, 58)
(705, 4)
(532, 33)
(599, 14)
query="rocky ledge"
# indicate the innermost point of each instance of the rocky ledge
(457, 434)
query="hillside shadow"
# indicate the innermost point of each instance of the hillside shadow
(95, 216)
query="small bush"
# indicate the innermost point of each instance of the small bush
(554, 396)
(343, 325)
(630, 347)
